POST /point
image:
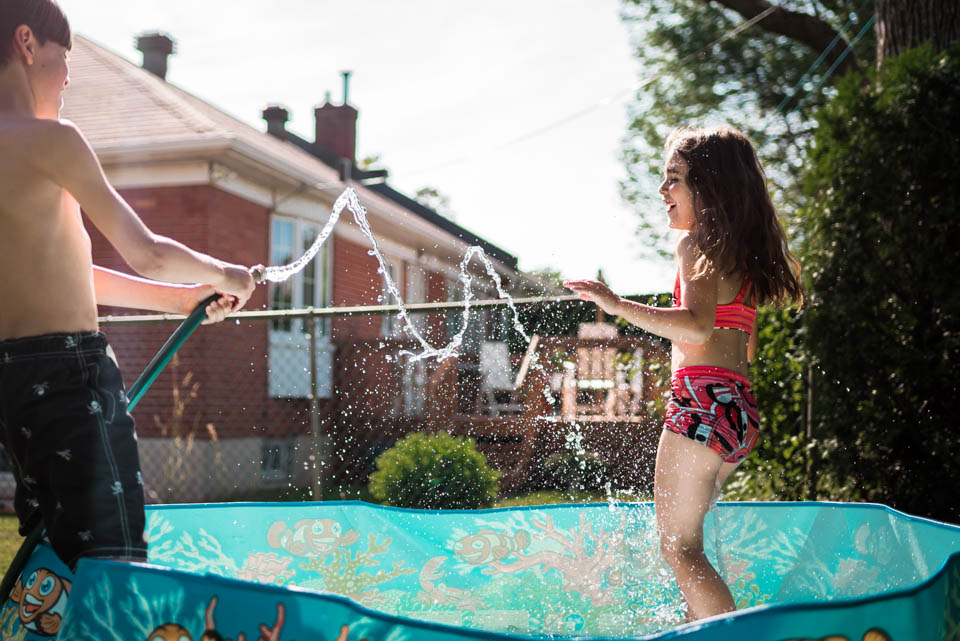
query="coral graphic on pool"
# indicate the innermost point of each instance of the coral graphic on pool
(351, 571)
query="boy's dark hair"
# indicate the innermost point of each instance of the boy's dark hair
(44, 17)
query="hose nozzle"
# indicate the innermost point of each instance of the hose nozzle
(259, 273)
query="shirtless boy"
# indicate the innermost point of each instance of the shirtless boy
(63, 418)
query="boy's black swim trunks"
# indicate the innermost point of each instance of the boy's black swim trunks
(72, 445)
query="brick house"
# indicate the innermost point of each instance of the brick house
(238, 390)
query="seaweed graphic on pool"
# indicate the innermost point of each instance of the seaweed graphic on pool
(131, 606)
(176, 632)
(433, 594)
(340, 570)
(586, 561)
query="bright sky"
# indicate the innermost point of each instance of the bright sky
(450, 94)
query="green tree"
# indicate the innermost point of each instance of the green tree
(692, 70)
(756, 65)
(439, 202)
(880, 253)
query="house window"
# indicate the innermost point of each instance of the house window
(454, 317)
(281, 253)
(391, 327)
(314, 282)
(275, 462)
(289, 342)
(416, 292)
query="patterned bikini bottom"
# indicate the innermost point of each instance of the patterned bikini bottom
(714, 406)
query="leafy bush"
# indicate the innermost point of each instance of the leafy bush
(880, 255)
(777, 468)
(574, 471)
(434, 471)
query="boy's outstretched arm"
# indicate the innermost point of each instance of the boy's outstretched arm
(122, 290)
(66, 156)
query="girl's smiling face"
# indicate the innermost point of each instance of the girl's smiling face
(677, 195)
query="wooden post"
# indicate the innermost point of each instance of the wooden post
(314, 412)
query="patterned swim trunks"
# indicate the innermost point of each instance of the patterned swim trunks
(72, 446)
(714, 406)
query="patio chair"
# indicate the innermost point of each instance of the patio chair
(497, 380)
(591, 386)
(498, 358)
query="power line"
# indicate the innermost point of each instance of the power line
(840, 58)
(816, 63)
(603, 102)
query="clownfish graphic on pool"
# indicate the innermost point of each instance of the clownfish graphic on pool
(41, 600)
(488, 545)
(310, 537)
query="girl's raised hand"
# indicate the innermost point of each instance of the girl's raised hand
(596, 292)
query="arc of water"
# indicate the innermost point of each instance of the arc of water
(348, 198)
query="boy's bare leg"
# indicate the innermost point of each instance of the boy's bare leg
(685, 484)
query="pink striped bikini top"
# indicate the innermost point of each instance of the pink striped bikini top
(733, 315)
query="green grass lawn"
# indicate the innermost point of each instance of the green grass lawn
(10, 540)
(552, 497)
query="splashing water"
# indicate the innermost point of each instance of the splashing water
(349, 199)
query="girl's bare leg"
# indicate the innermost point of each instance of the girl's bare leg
(685, 483)
(726, 469)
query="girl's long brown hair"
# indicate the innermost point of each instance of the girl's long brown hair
(737, 227)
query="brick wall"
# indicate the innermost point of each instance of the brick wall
(355, 282)
(220, 376)
(224, 365)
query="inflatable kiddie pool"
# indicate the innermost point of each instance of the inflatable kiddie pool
(349, 571)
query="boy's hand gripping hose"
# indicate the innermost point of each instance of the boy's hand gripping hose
(136, 392)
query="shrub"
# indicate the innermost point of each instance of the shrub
(434, 471)
(880, 256)
(777, 468)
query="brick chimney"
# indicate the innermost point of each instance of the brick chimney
(156, 47)
(336, 126)
(276, 117)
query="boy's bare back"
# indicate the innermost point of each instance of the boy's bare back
(47, 283)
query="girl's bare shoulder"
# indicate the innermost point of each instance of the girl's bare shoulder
(687, 254)
(685, 248)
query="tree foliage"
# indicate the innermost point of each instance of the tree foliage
(880, 254)
(690, 73)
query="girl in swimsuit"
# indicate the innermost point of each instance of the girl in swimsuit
(732, 248)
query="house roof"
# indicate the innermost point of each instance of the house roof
(122, 108)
